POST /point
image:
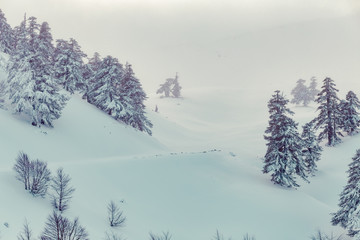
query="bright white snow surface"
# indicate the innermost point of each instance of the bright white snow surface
(202, 168)
(191, 178)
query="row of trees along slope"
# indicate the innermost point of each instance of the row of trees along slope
(38, 71)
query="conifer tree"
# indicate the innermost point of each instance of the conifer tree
(89, 71)
(348, 216)
(311, 148)
(48, 101)
(329, 116)
(283, 158)
(7, 37)
(20, 73)
(33, 90)
(301, 93)
(313, 91)
(68, 61)
(165, 87)
(176, 89)
(349, 110)
(133, 98)
(105, 93)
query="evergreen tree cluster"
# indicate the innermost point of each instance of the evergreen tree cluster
(289, 154)
(304, 94)
(38, 71)
(171, 87)
(336, 115)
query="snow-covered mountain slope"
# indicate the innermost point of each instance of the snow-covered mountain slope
(201, 170)
(174, 181)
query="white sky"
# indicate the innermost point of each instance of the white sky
(152, 33)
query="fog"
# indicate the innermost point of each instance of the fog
(210, 42)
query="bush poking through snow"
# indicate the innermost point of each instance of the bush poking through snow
(247, 237)
(116, 218)
(113, 236)
(62, 190)
(164, 236)
(26, 234)
(60, 228)
(322, 236)
(34, 174)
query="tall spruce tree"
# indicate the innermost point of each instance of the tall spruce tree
(348, 216)
(133, 97)
(48, 101)
(7, 37)
(89, 71)
(105, 93)
(283, 158)
(311, 149)
(68, 61)
(330, 115)
(176, 89)
(349, 110)
(301, 93)
(313, 91)
(20, 73)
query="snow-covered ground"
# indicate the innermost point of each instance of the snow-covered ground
(201, 169)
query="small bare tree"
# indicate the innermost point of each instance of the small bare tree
(22, 169)
(62, 190)
(164, 236)
(40, 177)
(116, 218)
(60, 228)
(26, 234)
(34, 174)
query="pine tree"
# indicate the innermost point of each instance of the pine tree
(283, 157)
(68, 62)
(349, 110)
(105, 93)
(176, 89)
(301, 93)
(311, 149)
(313, 91)
(89, 71)
(33, 90)
(7, 37)
(329, 116)
(165, 87)
(48, 101)
(20, 73)
(133, 97)
(348, 216)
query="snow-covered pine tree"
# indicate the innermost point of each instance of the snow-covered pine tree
(20, 73)
(48, 101)
(284, 156)
(348, 216)
(313, 91)
(7, 37)
(349, 110)
(166, 87)
(176, 89)
(133, 97)
(89, 71)
(32, 32)
(329, 115)
(311, 148)
(105, 92)
(68, 64)
(301, 93)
